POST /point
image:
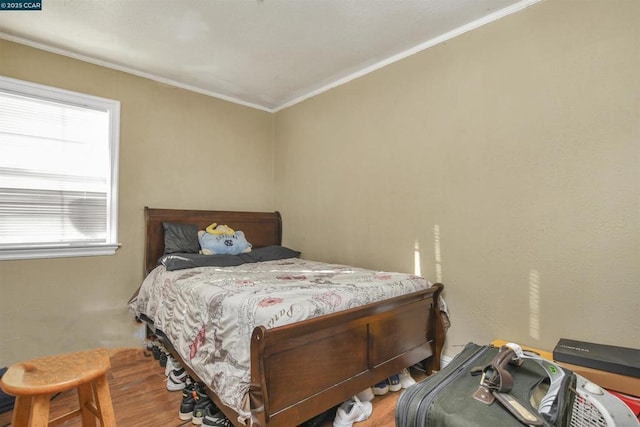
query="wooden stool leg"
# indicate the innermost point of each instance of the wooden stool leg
(40, 410)
(103, 401)
(21, 411)
(85, 400)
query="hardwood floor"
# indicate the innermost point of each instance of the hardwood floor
(140, 397)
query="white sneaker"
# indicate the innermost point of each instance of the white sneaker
(406, 380)
(381, 388)
(172, 365)
(366, 395)
(394, 383)
(176, 380)
(351, 411)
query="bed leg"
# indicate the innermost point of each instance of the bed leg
(257, 388)
(257, 408)
(438, 334)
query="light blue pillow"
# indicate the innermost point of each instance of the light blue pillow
(233, 244)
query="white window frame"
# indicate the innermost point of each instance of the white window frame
(88, 101)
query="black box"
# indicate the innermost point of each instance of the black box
(619, 360)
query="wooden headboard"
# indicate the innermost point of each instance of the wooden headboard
(260, 228)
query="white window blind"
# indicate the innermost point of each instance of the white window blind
(58, 172)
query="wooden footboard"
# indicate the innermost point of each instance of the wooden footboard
(300, 370)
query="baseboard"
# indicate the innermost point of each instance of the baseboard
(444, 361)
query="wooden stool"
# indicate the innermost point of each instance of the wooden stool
(34, 382)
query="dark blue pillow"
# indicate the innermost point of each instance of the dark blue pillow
(180, 261)
(272, 253)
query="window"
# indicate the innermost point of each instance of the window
(58, 172)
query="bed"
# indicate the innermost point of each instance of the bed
(295, 369)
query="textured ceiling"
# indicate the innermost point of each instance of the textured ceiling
(266, 54)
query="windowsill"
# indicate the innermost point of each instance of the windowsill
(57, 252)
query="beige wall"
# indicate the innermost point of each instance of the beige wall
(178, 149)
(511, 151)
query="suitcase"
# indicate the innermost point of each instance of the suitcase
(453, 397)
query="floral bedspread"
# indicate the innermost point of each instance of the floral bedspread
(209, 313)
